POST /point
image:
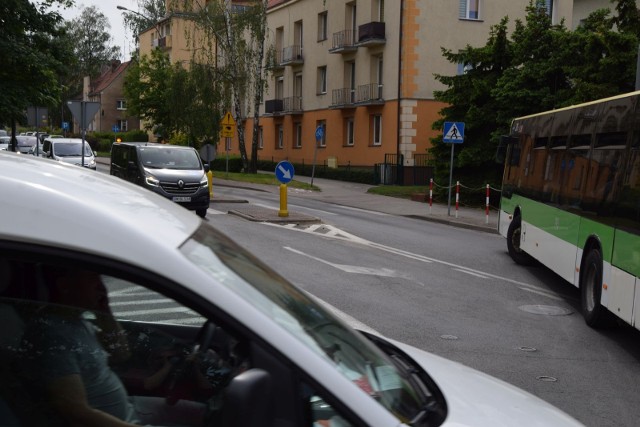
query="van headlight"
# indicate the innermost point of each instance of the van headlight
(152, 180)
(204, 182)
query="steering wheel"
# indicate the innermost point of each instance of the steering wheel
(179, 370)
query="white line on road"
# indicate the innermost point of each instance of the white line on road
(543, 293)
(462, 270)
(154, 311)
(142, 302)
(362, 210)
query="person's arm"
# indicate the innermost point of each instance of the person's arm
(155, 380)
(68, 399)
(111, 335)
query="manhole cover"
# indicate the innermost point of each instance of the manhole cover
(547, 310)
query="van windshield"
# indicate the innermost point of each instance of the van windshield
(169, 158)
(69, 149)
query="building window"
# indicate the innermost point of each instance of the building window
(260, 138)
(380, 10)
(298, 132)
(377, 130)
(323, 141)
(470, 9)
(279, 137)
(322, 80)
(122, 125)
(548, 6)
(322, 26)
(463, 68)
(121, 104)
(350, 132)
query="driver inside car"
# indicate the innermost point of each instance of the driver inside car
(70, 358)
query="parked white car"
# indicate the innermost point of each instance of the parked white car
(68, 150)
(218, 331)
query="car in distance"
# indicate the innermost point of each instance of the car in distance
(5, 141)
(68, 150)
(264, 352)
(173, 171)
(25, 143)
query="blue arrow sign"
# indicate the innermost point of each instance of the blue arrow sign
(319, 133)
(453, 132)
(115, 128)
(284, 171)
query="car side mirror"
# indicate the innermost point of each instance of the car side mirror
(247, 400)
(207, 168)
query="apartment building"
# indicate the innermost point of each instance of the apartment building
(363, 70)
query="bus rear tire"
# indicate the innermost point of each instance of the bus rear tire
(513, 243)
(595, 315)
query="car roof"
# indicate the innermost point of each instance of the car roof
(57, 140)
(153, 144)
(122, 217)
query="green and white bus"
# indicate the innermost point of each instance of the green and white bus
(571, 200)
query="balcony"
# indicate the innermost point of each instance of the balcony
(344, 42)
(370, 94)
(343, 98)
(292, 55)
(163, 42)
(274, 59)
(371, 34)
(273, 106)
(292, 105)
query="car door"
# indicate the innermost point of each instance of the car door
(172, 350)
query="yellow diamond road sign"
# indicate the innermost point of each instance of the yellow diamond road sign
(228, 126)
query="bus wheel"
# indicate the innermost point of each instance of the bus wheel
(513, 243)
(591, 290)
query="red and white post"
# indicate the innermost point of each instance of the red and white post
(430, 195)
(487, 208)
(457, 197)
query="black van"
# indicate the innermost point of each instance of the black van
(173, 171)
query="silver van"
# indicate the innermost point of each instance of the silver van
(68, 150)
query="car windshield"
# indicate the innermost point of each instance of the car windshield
(68, 149)
(169, 158)
(351, 354)
(26, 141)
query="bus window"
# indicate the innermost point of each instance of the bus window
(603, 183)
(628, 206)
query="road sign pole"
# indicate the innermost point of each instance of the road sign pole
(283, 212)
(450, 181)
(227, 143)
(83, 115)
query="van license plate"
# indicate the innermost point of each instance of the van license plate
(181, 199)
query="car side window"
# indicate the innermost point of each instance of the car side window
(79, 342)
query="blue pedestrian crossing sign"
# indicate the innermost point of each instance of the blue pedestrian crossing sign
(284, 171)
(453, 132)
(319, 133)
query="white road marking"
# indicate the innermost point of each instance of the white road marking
(142, 302)
(154, 311)
(382, 272)
(362, 210)
(545, 294)
(212, 211)
(462, 270)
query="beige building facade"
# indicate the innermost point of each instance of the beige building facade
(363, 70)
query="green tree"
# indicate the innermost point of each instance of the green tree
(92, 42)
(147, 89)
(150, 12)
(31, 57)
(541, 67)
(469, 99)
(237, 36)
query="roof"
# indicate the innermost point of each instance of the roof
(77, 199)
(102, 82)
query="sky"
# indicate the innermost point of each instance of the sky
(120, 37)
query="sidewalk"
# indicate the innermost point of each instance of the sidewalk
(354, 195)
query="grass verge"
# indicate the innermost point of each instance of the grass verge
(261, 178)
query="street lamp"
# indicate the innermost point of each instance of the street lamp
(150, 21)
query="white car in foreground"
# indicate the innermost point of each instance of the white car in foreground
(203, 324)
